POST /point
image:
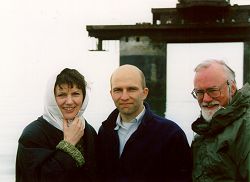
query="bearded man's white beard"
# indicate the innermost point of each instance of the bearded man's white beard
(207, 114)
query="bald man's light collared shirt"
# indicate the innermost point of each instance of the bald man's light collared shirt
(126, 129)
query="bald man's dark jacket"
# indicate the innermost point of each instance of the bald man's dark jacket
(157, 151)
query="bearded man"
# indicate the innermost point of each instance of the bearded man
(221, 147)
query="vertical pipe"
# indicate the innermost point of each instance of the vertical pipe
(246, 63)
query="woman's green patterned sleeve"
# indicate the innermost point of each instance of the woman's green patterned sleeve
(72, 151)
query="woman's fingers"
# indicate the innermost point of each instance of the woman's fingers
(73, 131)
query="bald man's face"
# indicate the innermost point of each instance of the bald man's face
(127, 92)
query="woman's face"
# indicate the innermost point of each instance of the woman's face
(69, 100)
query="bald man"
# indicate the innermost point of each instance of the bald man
(134, 143)
(221, 148)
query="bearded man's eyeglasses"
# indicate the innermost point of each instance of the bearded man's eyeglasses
(212, 92)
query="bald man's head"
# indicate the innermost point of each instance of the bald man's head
(128, 69)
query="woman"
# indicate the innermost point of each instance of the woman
(60, 145)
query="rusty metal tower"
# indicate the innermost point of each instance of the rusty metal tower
(192, 21)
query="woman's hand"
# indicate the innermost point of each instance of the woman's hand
(73, 131)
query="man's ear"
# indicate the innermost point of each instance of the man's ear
(145, 92)
(233, 88)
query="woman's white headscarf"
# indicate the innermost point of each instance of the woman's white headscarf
(52, 113)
